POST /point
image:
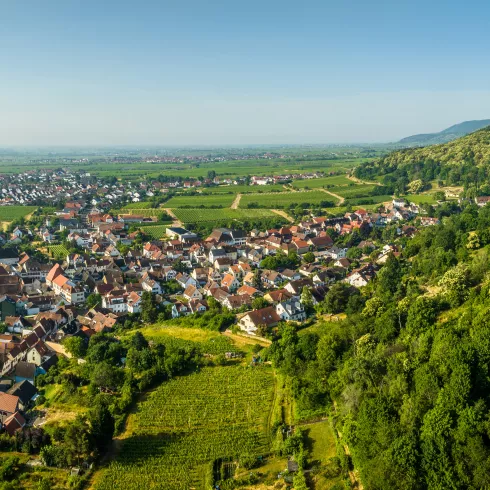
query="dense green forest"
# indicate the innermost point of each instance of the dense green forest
(465, 161)
(407, 374)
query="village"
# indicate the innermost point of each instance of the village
(45, 187)
(264, 277)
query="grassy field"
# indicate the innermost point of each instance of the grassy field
(221, 215)
(320, 444)
(189, 423)
(285, 199)
(204, 341)
(327, 182)
(11, 213)
(221, 200)
(369, 200)
(156, 232)
(421, 198)
(157, 332)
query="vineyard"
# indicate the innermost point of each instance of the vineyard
(221, 215)
(327, 182)
(242, 189)
(11, 213)
(57, 252)
(208, 200)
(285, 199)
(361, 190)
(137, 205)
(189, 424)
(156, 232)
(147, 213)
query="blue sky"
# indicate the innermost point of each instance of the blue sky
(227, 72)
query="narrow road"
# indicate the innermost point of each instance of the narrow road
(283, 214)
(340, 198)
(359, 181)
(176, 222)
(247, 339)
(236, 202)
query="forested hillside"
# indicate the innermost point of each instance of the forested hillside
(465, 161)
(407, 374)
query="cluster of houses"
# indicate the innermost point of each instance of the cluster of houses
(48, 186)
(42, 301)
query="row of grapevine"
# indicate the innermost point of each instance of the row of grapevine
(191, 421)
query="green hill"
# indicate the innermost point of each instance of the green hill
(459, 162)
(449, 134)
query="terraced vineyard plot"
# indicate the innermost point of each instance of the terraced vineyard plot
(218, 215)
(322, 182)
(156, 232)
(285, 199)
(222, 200)
(189, 423)
(11, 213)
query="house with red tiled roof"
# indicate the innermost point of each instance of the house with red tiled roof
(9, 404)
(13, 423)
(266, 317)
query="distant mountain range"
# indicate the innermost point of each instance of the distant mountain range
(449, 134)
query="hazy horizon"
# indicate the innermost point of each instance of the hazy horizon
(269, 73)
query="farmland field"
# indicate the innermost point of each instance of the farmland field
(209, 215)
(137, 205)
(11, 213)
(219, 200)
(359, 190)
(148, 213)
(369, 200)
(156, 232)
(285, 199)
(242, 189)
(421, 198)
(327, 182)
(187, 426)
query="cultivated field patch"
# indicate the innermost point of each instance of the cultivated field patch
(213, 200)
(190, 428)
(285, 199)
(221, 215)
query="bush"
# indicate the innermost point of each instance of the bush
(248, 461)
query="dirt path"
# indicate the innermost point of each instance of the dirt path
(359, 181)
(340, 198)
(247, 339)
(176, 221)
(236, 202)
(283, 214)
(291, 189)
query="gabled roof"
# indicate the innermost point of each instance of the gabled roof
(264, 316)
(24, 390)
(14, 423)
(8, 403)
